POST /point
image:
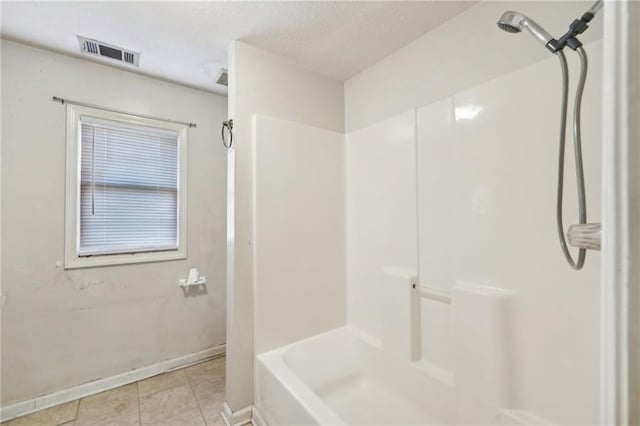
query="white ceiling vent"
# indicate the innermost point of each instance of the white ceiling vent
(223, 77)
(89, 46)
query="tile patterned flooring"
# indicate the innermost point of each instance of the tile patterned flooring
(192, 396)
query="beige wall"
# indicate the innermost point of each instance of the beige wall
(63, 328)
(261, 83)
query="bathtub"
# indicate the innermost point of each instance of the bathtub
(341, 378)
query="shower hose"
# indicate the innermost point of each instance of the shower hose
(577, 152)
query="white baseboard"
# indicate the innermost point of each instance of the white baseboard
(100, 385)
(236, 418)
(256, 418)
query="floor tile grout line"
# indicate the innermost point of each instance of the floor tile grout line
(188, 384)
(139, 405)
(196, 399)
(75, 416)
(165, 389)
(194, 394)
(77, 410)
(191, 385)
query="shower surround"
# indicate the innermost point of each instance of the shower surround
(419, 278)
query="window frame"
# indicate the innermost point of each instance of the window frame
(72, 259)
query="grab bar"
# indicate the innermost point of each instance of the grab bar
(433, 293)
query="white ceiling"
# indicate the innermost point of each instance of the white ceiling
(187, 42)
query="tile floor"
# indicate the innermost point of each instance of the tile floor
(192, 396)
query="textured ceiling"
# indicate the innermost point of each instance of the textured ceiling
(187, 42)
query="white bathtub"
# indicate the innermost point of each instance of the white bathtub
(337, 378)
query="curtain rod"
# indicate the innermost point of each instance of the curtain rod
(69, 101)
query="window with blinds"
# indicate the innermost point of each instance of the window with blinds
(128, 188)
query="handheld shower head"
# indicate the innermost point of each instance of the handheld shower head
(510, 22)
(513, 22)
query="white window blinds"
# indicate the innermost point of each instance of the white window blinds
(128, 188)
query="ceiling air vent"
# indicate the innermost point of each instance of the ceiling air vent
(97, 48)
(223, 77)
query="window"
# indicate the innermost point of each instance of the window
(126, 192)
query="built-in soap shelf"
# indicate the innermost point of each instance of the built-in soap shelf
(193, 279)
(479, 316)
(433, 293)
(434, 371)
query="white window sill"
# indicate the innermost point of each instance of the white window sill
(123, 259)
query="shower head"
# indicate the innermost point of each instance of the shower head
(513, 22)
(510, 22)
(504, 26)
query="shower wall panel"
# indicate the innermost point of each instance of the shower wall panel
(487, 170)
(381, 215)
(462, 192)
(299, 231)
